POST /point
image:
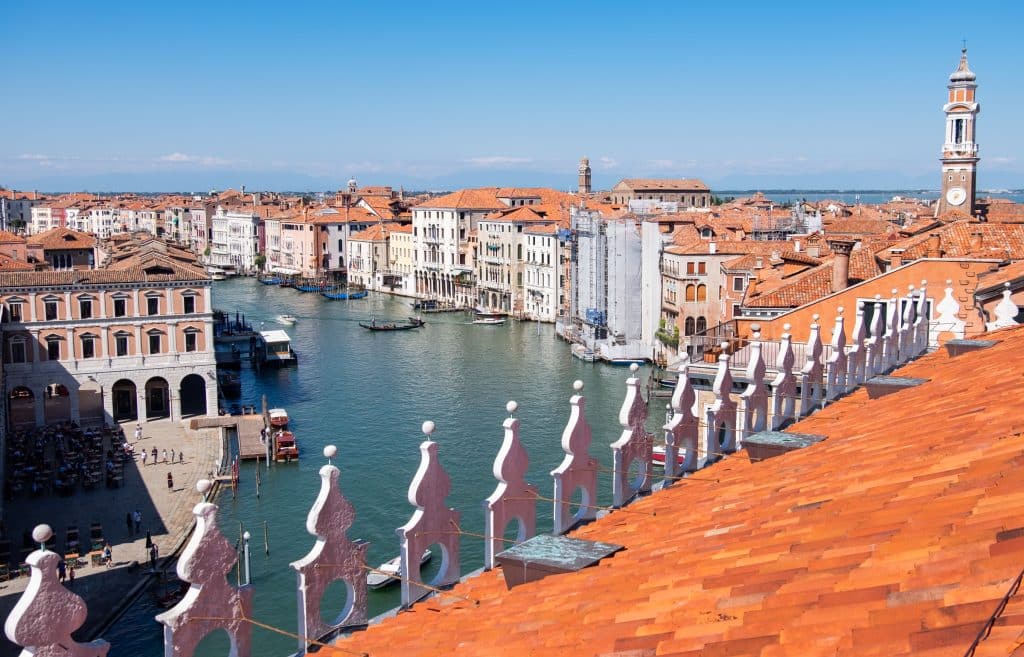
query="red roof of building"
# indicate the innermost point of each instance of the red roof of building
(59, 238)
(897, 535)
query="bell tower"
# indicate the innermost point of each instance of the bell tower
(584, 183)
(960, 151)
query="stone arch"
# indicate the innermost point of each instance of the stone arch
(21, 407)
(90, 403)
(158, 398)
(124, 397)
(192, 395)
(56, 403)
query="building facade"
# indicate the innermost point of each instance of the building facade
(688, 193)
(541, 273)
(234, 240)
(125, 344)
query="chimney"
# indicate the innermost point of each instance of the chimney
(796, 246)
(841, 265)
(896, 258)
(934, 246)
(977, 241)
(243, 190)
(712, 248)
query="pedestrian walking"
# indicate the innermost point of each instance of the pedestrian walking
(71, 574)
(144, 455)
(137, 519)
(138, 432)
(170, 481)
(163, 455)
(62, 570)
(128, 521)
(181, 457)
(154, 455)
(149, 539)
(172, 455)
(153, 551)
(108, 555)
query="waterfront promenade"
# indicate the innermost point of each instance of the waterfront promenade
(166, 513)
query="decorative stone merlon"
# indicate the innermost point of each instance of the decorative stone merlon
(333, 558)
(784, 383)
(47, 612)
(1005, 312)
(634, 445)
(578, 469)
(210, 603)
(433, 522)
(752, 410)
(720, 421)
(513, 498)
(681, 431)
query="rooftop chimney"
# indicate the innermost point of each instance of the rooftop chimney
(841, 266)
(796, 246)
(934, 246)
(977, 241)
(713, 248)
(896, 258)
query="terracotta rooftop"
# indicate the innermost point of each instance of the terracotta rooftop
(469, 199)
(898, 535)
(812, 284)
(62, 238)
(688, 184)
(7, 237)
(374, 233)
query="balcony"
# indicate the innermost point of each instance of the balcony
(967, 149)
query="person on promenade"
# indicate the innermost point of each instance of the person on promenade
(138, 432)
(181, 457)
(149, 539)
(137, 518)
(172, 455)
(128, 521)
(108, 555)
(144, 455)
(164, 455)
(71, 574)
(154, 455)
(170, 481)
(153, 553)
(62, 570)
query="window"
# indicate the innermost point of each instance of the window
(85, 308)
(191, 342)
(736, 310)
(702, 293)
(88, 346)
(154, 343)
(702, 268)
(690, 268)
(121, 344)
(120, 307)
(14, 310)
(152, 305)
(737, 284)
(53, 348)
(702, 324)
(688, 326)
(18, 351)
(190, 304)
(691, 292)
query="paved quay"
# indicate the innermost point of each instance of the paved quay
(166, 513)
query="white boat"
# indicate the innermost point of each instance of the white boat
(583, 353)
(489, 320)
(287, 320)
(216, 273)
(658, 456)
(389, 572)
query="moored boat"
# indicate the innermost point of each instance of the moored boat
(343, 294)
(483, 317)
(271, 280)
(390, 571)
(658, 456)
(278, 417)
(583, 353)
(287, 320)
(285, 448)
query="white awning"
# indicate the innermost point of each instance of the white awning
(284, 270)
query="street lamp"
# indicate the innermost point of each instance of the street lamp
(245, 546)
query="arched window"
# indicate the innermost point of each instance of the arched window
(702, 293)
(691, 292)
(702, 325)
(689, 326)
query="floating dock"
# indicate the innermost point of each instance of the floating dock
(247, 428)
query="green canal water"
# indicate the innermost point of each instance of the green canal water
(368, 393)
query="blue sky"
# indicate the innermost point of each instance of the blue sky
(302, 95)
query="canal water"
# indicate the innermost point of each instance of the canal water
(368, 393)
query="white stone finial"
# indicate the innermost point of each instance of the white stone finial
(815, 317)
(329, 452)
(428, 428)
(577, 385)
(786, 327)
(204, 486)
(246, 535)
(633, 367)
(511, 407)
(949, 282)
(840, 310)
(910, 288)
(41, 534)
(878, 297)
(924, 282)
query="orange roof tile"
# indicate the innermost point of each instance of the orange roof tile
(688, 184)
(469, 199)
(62, 238)
(898, 535)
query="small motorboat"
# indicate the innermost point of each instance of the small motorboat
(482, 317)
(278, 418)
(624, 362)
(285, 448)
(389, 572)
(583, 353)
(287, 320)
(271, 280)
(343, 294)
(658, 456)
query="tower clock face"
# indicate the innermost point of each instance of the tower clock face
(956, 196)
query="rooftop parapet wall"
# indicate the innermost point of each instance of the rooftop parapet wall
(962, 273)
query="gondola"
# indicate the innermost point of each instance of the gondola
(414, 322)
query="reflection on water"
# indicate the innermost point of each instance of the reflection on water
(368, 393)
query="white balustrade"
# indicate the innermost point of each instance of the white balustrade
(433, 522)
(578, 469)
(634, 445)
(513, 498)
(334, 557)
(211, 603)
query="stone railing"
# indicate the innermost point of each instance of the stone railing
(45, 617)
